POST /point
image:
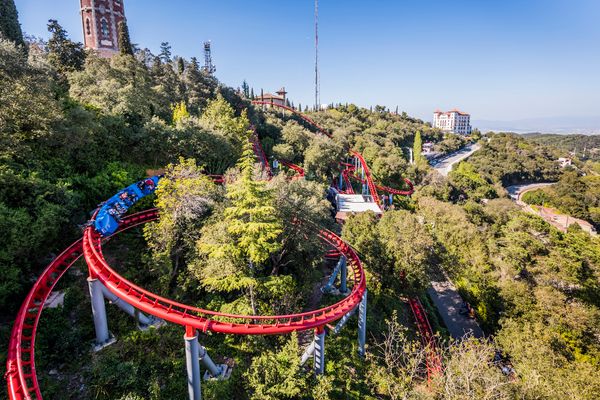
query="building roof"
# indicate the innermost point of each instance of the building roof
(451, 111)
(355, 203)
(270, 96)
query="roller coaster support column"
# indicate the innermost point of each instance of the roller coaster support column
(362, 325)
(340, 267)
(319, 355)
(192, 363)
(344, 276)
(98, 311)
(140, 317)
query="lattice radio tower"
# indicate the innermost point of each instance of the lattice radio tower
(208, 65)
(317, 77)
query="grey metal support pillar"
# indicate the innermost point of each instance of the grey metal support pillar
(342, 322)
(98, 311)
(344, 276)
(212, 368)
(362, 324)
(192, 363)
(319, 354)
(308, 353)
(140, 317)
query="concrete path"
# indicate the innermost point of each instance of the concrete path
(444, 166)
(448, 302)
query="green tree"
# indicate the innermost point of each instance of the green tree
(466, 178)
(278, 375)
(9, 23)
(409, 245)
(246, 89)
(200, 87)
(180, 112)
(180, 65)
(219, 117)
(184, 198)
(125, 47)
(247, 236)
(28, 105)
(418, 148)
(119, 86)
(64, 54)
(165, 52)
(252, 217)
(322, 157)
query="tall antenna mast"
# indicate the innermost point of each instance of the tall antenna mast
(317, 83)
(209, 68)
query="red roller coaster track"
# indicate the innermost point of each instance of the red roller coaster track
(295, 112)
(21, 373)
(372, 187)
(433, 361)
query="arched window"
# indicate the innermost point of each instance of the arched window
(88, 29)
(104, 27)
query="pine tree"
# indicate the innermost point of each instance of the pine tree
(252, 219)
(9, 22)
(252, 94)
(200, 87)
(125, 47)
(417, 148)
(63, 53)
(165, 52)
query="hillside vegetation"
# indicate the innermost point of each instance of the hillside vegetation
(76, 128)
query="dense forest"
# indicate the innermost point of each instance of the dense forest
(75, 128)
(584, 147)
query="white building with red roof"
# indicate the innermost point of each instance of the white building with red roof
(454, 121)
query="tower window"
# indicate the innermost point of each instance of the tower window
(88, 29)
(104, 27)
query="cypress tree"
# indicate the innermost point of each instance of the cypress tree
(180, 65)
(9, 22)
(123, 39)
(417, 148)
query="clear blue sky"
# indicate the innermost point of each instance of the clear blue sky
(498, 60)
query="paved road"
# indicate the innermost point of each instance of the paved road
(445, 165)
(516, 191)
(449, 303)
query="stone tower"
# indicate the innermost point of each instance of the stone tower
(100, 19)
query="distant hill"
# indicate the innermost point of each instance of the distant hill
(557, 125)
(583, 146)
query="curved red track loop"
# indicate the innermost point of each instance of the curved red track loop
(351, 172)
(20, 364)
(295, 112)
(21, 375)
(397, 191)
(207, 320)
(368, 178)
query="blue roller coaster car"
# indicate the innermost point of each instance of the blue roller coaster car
(110, 212)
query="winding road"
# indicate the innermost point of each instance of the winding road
(444, 166)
